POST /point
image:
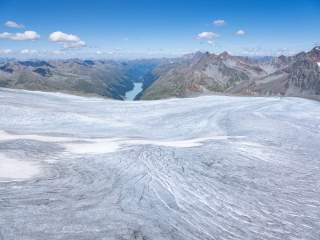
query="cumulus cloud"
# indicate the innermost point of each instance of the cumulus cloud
(63, 37)
(58, 52)
(207, 35)
(28, 51)
(240, 32)
(5, 35)
(219, 22)
(13, 24)
(5, 51)
(26, 35)
(68, 40)
(79, 44)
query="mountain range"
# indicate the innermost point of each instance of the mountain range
(205, 73)
(190, 75)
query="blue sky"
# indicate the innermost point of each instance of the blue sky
(148, 28)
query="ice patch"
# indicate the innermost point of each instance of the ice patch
(195, 142)
(100, 146)
(16, 170)
(109, 145)
(4, 136)
(94, 147)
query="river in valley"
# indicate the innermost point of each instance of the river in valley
(130, 95)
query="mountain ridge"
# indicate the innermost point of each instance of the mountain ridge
(199, 73)
(206, 73)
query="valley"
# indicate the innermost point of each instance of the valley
(191, 75)
(159, 120)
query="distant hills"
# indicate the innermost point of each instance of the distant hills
(190, 75)
(84, 77)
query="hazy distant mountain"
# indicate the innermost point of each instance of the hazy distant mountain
(205, 73)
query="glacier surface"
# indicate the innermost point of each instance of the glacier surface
(211, 167)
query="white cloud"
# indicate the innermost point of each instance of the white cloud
(28, 51)
(63, 37)
(219, 22)
(24, 51)
(27, 35)
(13, 24)
(207, 35)
(5, 35)
(210, 42)
(68, 40)
(58, 52)
(240, 32)
(79, 44)
(98, 52)
(5, 51)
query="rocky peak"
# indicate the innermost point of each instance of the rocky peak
(316, 49)
(282, 58)
(314, 54)
(224, 55)
(300, 56)
(193, 55)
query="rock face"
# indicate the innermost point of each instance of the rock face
(207, 168)
(205, 73)
(298, 75)
(304, 77)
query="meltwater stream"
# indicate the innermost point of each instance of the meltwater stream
(207, 168)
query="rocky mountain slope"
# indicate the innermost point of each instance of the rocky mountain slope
(205, 73)
(85, 77)
(298, 75)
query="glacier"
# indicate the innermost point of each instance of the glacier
(212, 167)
